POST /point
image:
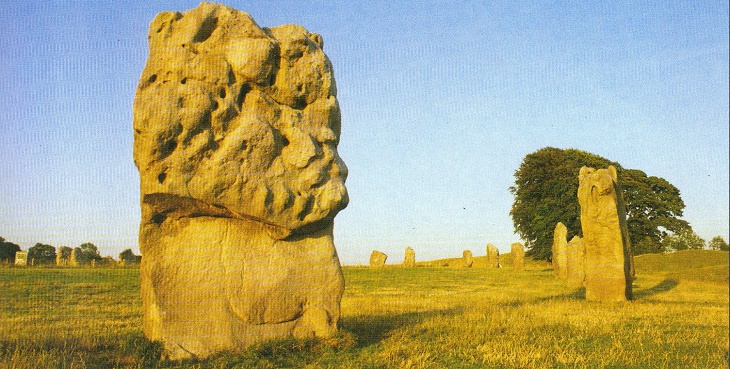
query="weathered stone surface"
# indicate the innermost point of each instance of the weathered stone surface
(377, 258)
(518, 256)
(575, 263)
(559, 256)
(467, 260)
(235, 137)
(492, 256)
(605, 236)
(409, 259)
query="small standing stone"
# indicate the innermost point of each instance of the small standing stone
(518, 256)
(377, 259)
(409, 260)
(21, 258)
(467, 260)
(492, 256)
(576, 263)
(559, 257)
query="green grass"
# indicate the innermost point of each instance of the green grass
(392, 317)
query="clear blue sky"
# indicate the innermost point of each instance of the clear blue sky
(440, 102)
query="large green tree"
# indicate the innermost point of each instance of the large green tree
(42, 254)
(686, 239)
(89, 252)
(718, 243)
(7, 251)
(545, 190)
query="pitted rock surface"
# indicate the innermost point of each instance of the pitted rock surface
(236, 130)
(605, 236)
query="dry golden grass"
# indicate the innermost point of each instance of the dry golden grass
(425, 317)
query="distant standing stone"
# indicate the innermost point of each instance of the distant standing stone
(467, 260)
(605, 236)
(576, 263)
(492, 256)
(518, 256)
(409, 260)
(559, 257)
(21, 258)
(377, 259)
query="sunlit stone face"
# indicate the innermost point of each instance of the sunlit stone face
(248, 124)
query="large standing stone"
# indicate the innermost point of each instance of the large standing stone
(377, 259)
(63, 256)
(77, 257)
(576, 263)
(492, 256)
(559, 253)
(605, 236)
(409, 259)
(235, 137)
(467, 260)
(518, 256)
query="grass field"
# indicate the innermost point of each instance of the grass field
(426, 317)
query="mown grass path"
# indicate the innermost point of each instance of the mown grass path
(426, 317)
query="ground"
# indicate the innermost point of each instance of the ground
(393, 317)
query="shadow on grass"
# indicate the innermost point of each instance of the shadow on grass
(663, 286)
(371, 329)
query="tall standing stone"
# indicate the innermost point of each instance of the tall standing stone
(235, 137)
(76, 258)
(409, 259)
(377, 259)
(605, 236)
(576, 263)
(560, 258)
(63, 256)
(467, 260)
(518, 256)
(492, 256)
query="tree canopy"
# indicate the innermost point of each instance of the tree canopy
(7, 251)
(128, 257)
(88, 252)
(546, 184)
(42, 254)
(718, 243)
(683, 240)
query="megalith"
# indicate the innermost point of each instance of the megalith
(560, 241)
(236, 130)
(63, 256)
(605, 236)
(518, 256)
(77, 257)
(467, 260)
(575, 266)
(377, 258)
(492, 256)
(409, 259)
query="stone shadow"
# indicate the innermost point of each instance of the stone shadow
(371, 329)
(663, 286)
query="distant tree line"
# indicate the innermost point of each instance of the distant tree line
(43, 254)
(545, 193)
